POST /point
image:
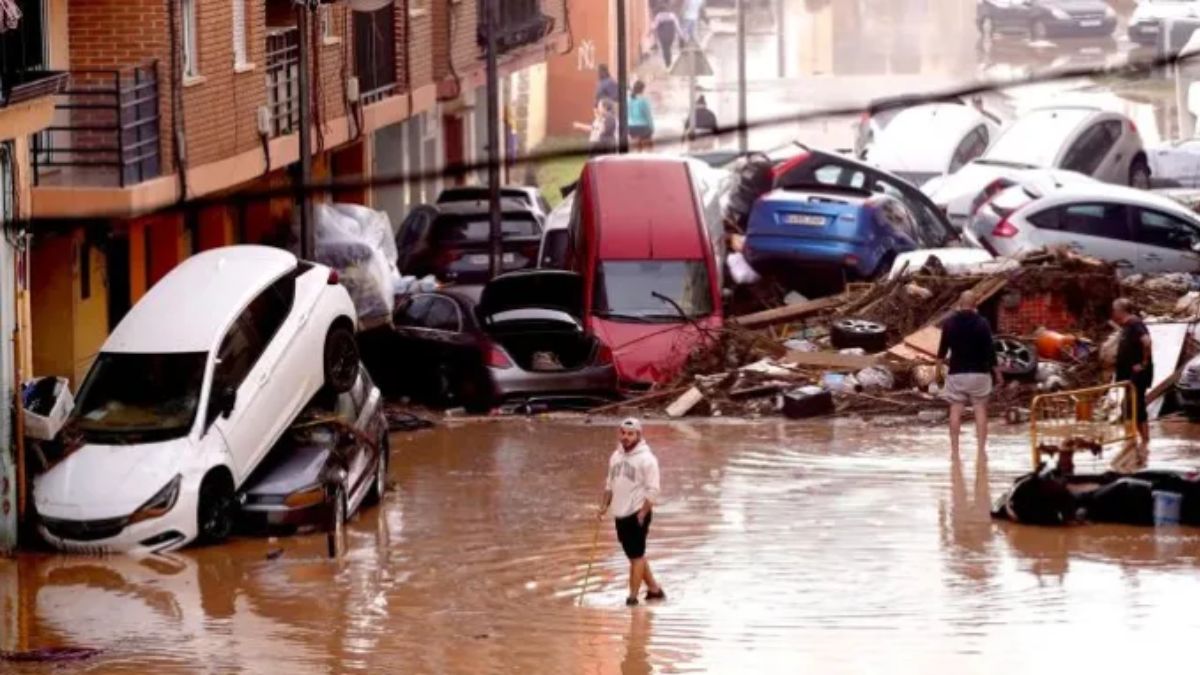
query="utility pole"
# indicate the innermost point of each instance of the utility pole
(780, 26)
(308, 249)
(743, 140)
(495, 263)
(622, 79)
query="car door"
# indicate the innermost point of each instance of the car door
(244, 366)
(1098, 229)
(413, 346)
(1165, 243)
(359, 456)
(933, 229)
(1089, 153)
(1114, 167)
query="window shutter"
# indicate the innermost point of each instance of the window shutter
(239, 32)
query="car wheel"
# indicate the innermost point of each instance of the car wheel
(338, 514)
(379, 488)
(870, 336)
(1037, 31)
(1015, 359)
(341, 359)
(214, 512)
(1139, 174)
(446, 392)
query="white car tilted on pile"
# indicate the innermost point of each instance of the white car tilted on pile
(188, 395)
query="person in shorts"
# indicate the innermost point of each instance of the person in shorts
(967, 339)
(629, 492)
(1134, 365)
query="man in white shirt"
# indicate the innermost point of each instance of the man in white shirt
(630, 491)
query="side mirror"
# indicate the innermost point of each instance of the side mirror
(227, 400)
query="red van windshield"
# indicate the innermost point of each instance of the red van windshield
(652, 290)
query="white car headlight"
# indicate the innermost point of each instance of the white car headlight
(1059, 13)
(158, 505)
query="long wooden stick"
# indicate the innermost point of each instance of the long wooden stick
(591, 558)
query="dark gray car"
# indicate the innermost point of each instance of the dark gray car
(331, 461)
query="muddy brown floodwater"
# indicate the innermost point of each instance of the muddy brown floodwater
(783, 547)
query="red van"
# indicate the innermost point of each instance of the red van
(640, 238)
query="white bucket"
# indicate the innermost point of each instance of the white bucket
(1167, 507)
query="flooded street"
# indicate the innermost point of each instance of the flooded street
(783, 547)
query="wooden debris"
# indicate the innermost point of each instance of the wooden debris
(640, 400)
(788, 313)
(686, 402)
(831, 360)
(920, 346)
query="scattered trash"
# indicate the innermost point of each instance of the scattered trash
(740, 271)
(48, 403)
(804, 346)
(807, 402)
(932, 416)
(876, 378)
(50, 655)
(1017, 415)
(917, 292)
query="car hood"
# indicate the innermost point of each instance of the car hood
(651, 353)
(1078, 6)
(107, 481)
(533, 289)
(289, 469)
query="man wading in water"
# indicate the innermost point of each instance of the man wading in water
(967, 338)
(631, 488)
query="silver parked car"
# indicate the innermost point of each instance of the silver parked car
(1101, 144)
(1142, 231)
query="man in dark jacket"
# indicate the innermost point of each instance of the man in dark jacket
(1134, 365)
(606, 87)
(702, 121)
(967, 338)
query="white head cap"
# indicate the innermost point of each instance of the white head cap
(632, 424)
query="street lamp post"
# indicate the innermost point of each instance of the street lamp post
(495, 264)
(743, 140)
(303, 197)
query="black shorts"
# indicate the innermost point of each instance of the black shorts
(633, 536)
(640, 133)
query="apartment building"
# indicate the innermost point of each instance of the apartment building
(169, 104)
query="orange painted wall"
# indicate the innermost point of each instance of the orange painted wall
(165, 235)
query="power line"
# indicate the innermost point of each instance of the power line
(1130, 68)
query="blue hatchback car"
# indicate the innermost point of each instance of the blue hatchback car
(817, 238)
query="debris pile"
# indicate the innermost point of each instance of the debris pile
(872, 350)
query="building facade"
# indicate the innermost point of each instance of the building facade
(177, 111)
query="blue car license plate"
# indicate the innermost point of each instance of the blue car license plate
(804, 219)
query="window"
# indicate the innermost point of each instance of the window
(1092, 146)
(239, 33)
(630, 289)
(191, 51)
(1164, 231)
(249, 337)
(895, 215)
(833, 174)
(930, 230)
(412, 311)
(1109, 221)
(138, 398)
(325, 17)
(443, 315)
(971, 148)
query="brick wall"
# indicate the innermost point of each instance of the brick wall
(421, 46)
(220, 109)
(335, 66)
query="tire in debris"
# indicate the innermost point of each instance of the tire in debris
(341, 359)
(1016, 359)
(850, 333)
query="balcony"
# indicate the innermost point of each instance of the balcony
(520, 23)
(283, 80)
(375, 53)
(105, 131)
(27, 85)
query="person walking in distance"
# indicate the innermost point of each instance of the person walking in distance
(967, 338)
(666, 30)
(606, 86)
(641, 118)
(691, 13)
(629, 493)
(1134, 365)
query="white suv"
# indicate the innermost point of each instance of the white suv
(187, 396)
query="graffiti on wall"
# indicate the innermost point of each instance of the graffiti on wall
(586, 54)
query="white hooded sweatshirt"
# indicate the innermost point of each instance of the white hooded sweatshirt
(632, 478)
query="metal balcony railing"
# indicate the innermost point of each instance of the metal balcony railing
(105, 130)
(375, 53)
(283, 80)
(520, 23)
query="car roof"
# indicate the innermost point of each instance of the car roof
(1038, 137)
(637, 229)
(190, 308)
(481, 206)
(452, 195)
(912, 142)
(1104, 192)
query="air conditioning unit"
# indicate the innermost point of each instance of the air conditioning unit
(352, 92)
(264, 120)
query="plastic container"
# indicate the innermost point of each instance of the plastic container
(1055, 345)
(44, 420)
(1167, 506)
